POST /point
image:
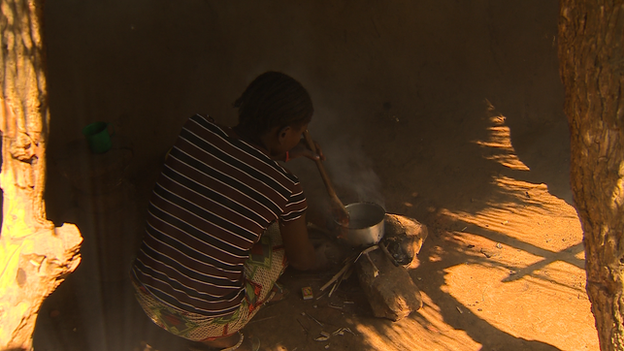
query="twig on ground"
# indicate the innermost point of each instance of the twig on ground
(344, 271)
(321, 295)
(262, 319)
(375, 269)
(337, 275)
(315, 320)
(372, 248)
(304, 328)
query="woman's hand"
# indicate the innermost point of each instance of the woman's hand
(302, 150)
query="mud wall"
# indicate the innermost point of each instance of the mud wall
(401, 88)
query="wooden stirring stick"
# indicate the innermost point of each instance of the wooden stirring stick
(339, 208)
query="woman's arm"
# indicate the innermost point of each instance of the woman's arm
(299, 250)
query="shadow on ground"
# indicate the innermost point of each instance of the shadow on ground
(447, 112)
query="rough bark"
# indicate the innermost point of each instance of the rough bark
(403, 238)
(591, 34)
(34, 255)
(389, 289)
(384, 278)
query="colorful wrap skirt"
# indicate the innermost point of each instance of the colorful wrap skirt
(266, 263)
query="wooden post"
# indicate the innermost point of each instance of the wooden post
(34, 255)
(591, 38)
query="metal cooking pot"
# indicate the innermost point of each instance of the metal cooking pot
(366, 224)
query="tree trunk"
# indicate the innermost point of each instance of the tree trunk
(34, 255)
(591, 35)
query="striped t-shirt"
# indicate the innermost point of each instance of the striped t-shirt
(214, 198)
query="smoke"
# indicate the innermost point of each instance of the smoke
(349, 168)
(352, 171)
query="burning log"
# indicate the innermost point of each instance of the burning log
(392, 294)
(386, 282)
(403, 239)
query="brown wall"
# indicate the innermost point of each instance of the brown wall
(399, 86)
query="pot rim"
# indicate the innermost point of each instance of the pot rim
(381, 213)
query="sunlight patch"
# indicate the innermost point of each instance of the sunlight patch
(508, 306)
(499, 142)
(423, 330)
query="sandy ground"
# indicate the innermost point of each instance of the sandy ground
(501, 270)
(443, 111)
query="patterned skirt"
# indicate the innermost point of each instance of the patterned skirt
(266, 263)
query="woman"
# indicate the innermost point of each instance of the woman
(225, 218)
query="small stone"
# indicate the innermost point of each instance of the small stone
(488, 255)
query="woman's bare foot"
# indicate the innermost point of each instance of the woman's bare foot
(280, 294)
(223, 343)
(233, 342)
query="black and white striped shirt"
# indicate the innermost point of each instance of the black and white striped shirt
(214, 198)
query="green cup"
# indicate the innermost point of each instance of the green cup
(98, 137)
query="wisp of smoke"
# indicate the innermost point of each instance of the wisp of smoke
(352, 171)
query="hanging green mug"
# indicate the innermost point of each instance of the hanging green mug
(98, 137)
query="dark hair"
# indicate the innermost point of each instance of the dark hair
(273, 99)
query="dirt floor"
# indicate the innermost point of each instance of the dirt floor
(503, 271)
(443, 111)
